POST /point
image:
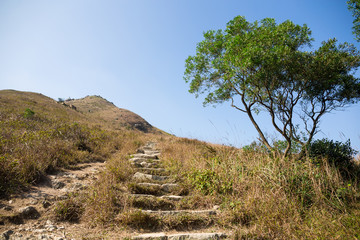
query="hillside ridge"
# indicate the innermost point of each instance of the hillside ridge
(94, 109)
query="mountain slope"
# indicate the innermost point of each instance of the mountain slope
(99, 108)
(39, 135)
(16, 102)
(93, 110)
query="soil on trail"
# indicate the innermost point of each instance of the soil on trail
(27, 215)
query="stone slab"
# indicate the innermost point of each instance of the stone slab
(180, 236)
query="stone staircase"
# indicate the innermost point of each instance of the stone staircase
(156, 193)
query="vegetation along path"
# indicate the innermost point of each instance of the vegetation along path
(155, 211)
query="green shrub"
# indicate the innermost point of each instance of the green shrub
(29, 113)
(281, 145)
(209, 182)
(337, 153)
(254, 147)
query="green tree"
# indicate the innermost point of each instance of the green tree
(354, 7)
(264, 66)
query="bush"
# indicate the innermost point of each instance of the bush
(337, 153)
(209, 182)
(254, 147)
(281, 145)
(28, 113)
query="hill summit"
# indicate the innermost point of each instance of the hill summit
(114, 117)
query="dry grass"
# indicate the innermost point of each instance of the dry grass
(260, 197)
(109, 197)
(266, 198)
(38, 136)
(152, 203)
(139, 220)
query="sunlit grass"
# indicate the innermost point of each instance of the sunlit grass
(259, 196)
(265, 197)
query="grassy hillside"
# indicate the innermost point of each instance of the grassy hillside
(38, 135)
(260, 197)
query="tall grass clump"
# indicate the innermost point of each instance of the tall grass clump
(262, 197)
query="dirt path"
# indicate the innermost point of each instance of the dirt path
(26, 215)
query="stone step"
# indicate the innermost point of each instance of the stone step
(149, 147)
(143, 149)
(167, 197)
(148, 151)
(180, 236)
(166, 187)
(147, 156)
(152, 152)
(146, 165)
(169, 187)
(177, 212)
(138, 176)
(172, 197)
(154, 188)
(141, 160)
(153, 171)
(150, 202)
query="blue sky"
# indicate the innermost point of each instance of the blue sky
(133, 54)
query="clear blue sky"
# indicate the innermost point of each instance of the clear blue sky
(133, 53)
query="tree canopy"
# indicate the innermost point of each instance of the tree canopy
(265, 66)
(354, 7)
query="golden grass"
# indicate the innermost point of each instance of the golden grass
(260, 197)
(39, 135)
(108, 197)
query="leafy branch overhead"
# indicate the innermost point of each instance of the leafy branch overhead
(265, 66)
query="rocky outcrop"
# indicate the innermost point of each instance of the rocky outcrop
(29, 212)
